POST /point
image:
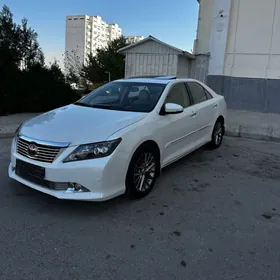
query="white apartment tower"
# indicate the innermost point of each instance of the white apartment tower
(86, 34)
(133, 39)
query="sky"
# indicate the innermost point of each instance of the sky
(174, 22)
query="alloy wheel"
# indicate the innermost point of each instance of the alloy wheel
(144, 172)
(218, 134)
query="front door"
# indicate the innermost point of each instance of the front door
(177, 131)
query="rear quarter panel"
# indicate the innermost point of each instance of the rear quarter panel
(223, 109)
(222, 105)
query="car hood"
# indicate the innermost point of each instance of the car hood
(78, 124)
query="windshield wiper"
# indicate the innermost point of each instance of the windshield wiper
(82, 104)
(101, 106)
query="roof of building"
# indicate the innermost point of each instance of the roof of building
(151, 38)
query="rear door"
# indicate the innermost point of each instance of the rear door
(206, 111)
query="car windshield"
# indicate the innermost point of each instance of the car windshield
(124, 96)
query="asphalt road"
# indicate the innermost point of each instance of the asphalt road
(213, 215)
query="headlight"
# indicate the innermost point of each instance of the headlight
(94, 150)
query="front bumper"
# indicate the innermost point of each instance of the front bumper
(104, 178)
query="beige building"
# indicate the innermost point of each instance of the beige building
(241, 39)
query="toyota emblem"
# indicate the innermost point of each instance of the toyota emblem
(32, 149)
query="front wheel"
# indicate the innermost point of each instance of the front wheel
(142, 173)
(217, 135)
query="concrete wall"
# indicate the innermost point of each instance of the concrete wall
(219, 35)
(198, 68)
(204, 27)
(251, 94)
(250, 56)
(183, 67)
(242, 36)
(253, 47)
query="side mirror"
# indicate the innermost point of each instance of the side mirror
(173, 108)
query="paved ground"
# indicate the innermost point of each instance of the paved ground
(213, 215)
(9, 124)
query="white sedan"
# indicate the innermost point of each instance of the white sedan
(117, 139)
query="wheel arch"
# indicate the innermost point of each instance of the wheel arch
(222, 120)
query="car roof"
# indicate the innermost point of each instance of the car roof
(156, 79)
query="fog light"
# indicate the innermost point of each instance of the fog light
(74, 187)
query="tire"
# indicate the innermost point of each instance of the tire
(217, 135)
(142, 172)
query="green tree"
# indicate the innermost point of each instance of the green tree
(18, 43)
(30, 52)
(9, 40)
(92, 72)
(27, 85)
(107, 59)
(73, 66)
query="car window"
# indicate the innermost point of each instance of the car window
(125, 96)
(198, 93)
(208, 94)
(179, 95)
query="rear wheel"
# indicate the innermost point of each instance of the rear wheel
(217, 135)
(142, 172)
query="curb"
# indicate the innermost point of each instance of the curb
(253, 132)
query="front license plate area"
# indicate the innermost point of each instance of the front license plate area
(29, 171)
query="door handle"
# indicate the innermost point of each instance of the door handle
(193, 114)
(215, 105)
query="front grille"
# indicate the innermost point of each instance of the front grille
(44, 153)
